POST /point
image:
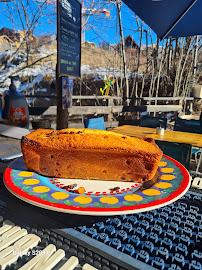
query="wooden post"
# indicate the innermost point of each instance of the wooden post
(110, 114)
(62, 115)
(58, 83)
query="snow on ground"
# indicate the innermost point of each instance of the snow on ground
(5, 54)
(38, 72)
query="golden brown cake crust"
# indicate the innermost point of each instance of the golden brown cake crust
(90, 154)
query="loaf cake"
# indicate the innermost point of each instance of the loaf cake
(90, 154)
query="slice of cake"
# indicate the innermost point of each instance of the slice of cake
(90, 154)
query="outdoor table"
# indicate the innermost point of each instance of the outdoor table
(169, 135)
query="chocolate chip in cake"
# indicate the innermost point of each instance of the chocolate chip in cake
(123, 177)
(148, 166)
(69, 186)
(71, 132)
(79, 132)
(114, 189)
(51, 156)
(123, 137)
(128, 162)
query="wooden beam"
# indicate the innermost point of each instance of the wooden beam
(79, 110)
(143, 98)
(164, 108)
(86, 110)
(95, 97)
(167, 98)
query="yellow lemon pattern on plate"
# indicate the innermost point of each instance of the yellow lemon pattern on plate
(41, 189)
(163, 185)
(151, 192)
(30, 182)
(167, 177)
(162, 164)
(167, 170)
(133, 198)
(109, 200)
(83, 199)
(60, 195)
(26, 174)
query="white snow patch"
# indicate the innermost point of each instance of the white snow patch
(38, 72)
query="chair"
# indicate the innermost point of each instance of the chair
(179, 151)
(153, 122)
(95, 123)
(191, 126)
(197, 154)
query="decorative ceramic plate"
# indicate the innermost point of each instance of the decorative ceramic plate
(77, 196)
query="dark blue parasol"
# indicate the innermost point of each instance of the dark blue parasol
(170, 18)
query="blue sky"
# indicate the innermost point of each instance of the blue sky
(100, 29)
(47, 22)
(108, 28)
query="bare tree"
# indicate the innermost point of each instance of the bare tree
(25, 16)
